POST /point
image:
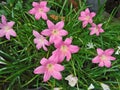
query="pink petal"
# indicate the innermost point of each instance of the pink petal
(50, 24)
(99, 25)
(52, 38)
(12, 32)
(56, 75)
(39, 70)
(84, 24)
(68, 41)
(2, 33)
(46, 32)
(83, 14)
(97, 33)
(44, 47)
(96, 59)
(7, 36)
(109, 51)
(81, 18)
(63, 33)
(44, 16)
(57, 40)
(37, 16)
(10, 24)
(101, 30)
(34, 4)
(73, 48)
(3, 19)
(58, 67)
(101, 64)
(38, 46)
(43, 3)
(59, 25)
(36, 34)
(92, 31)
(107, 63)
(36, 40)
(47, 76)
(111, 58)
(46, 42)
(46, 9)
(87, 11)
(43, 61)
(92, 14)
(68, 56)
(32, 11)
(60, 57)
(99, 51)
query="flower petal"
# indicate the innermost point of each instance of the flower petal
(107, 63)
(73, 48)
(43, 61)
(109, 51)
(47, 76)
(34, 4)
(2, 33)
(12, 32)
(96, 59)
(10, 24)
(68, 55)
(68, 41)
(56, 75)
(101, 64)
(58, 67)
(46, 32)
(36, 34)
(50, 24)
(43, 3)
(44, 16)
(39, 70)
(63, 32)
(3, 19)
(37, 16)
(99, 51)
(59, 25)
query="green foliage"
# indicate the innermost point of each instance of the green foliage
(21, 56)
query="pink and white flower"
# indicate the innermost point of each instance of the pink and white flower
(49, 68)
(55, 32)
(40, 41)
(87, 17)
(64, 49)
(39, 10)
(104, 58)
(96, 29)
(6, 28)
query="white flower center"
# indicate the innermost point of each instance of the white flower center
(50, 67)
(103, 57)
(64, 49)
(40, 10)
(6, 28)
(55, 32)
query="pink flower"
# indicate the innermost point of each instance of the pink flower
(96, 29)
(49, 68)
(64, 49)
(6, 28)
(39, 10)
(104, 57)
(54, 31)
(86, 16)
(40, 41)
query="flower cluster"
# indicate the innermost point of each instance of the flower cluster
(64, 49)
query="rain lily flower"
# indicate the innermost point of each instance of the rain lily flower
(40, 41)
(49, 68)
(105, 86)
(104, 57)
(96, 29)
(64, 49)
(90, 45)
(55, 31)
(91, 87)
(39, 10)
(72, 81)
(118, 51)
(86, 16)
(6, 28)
